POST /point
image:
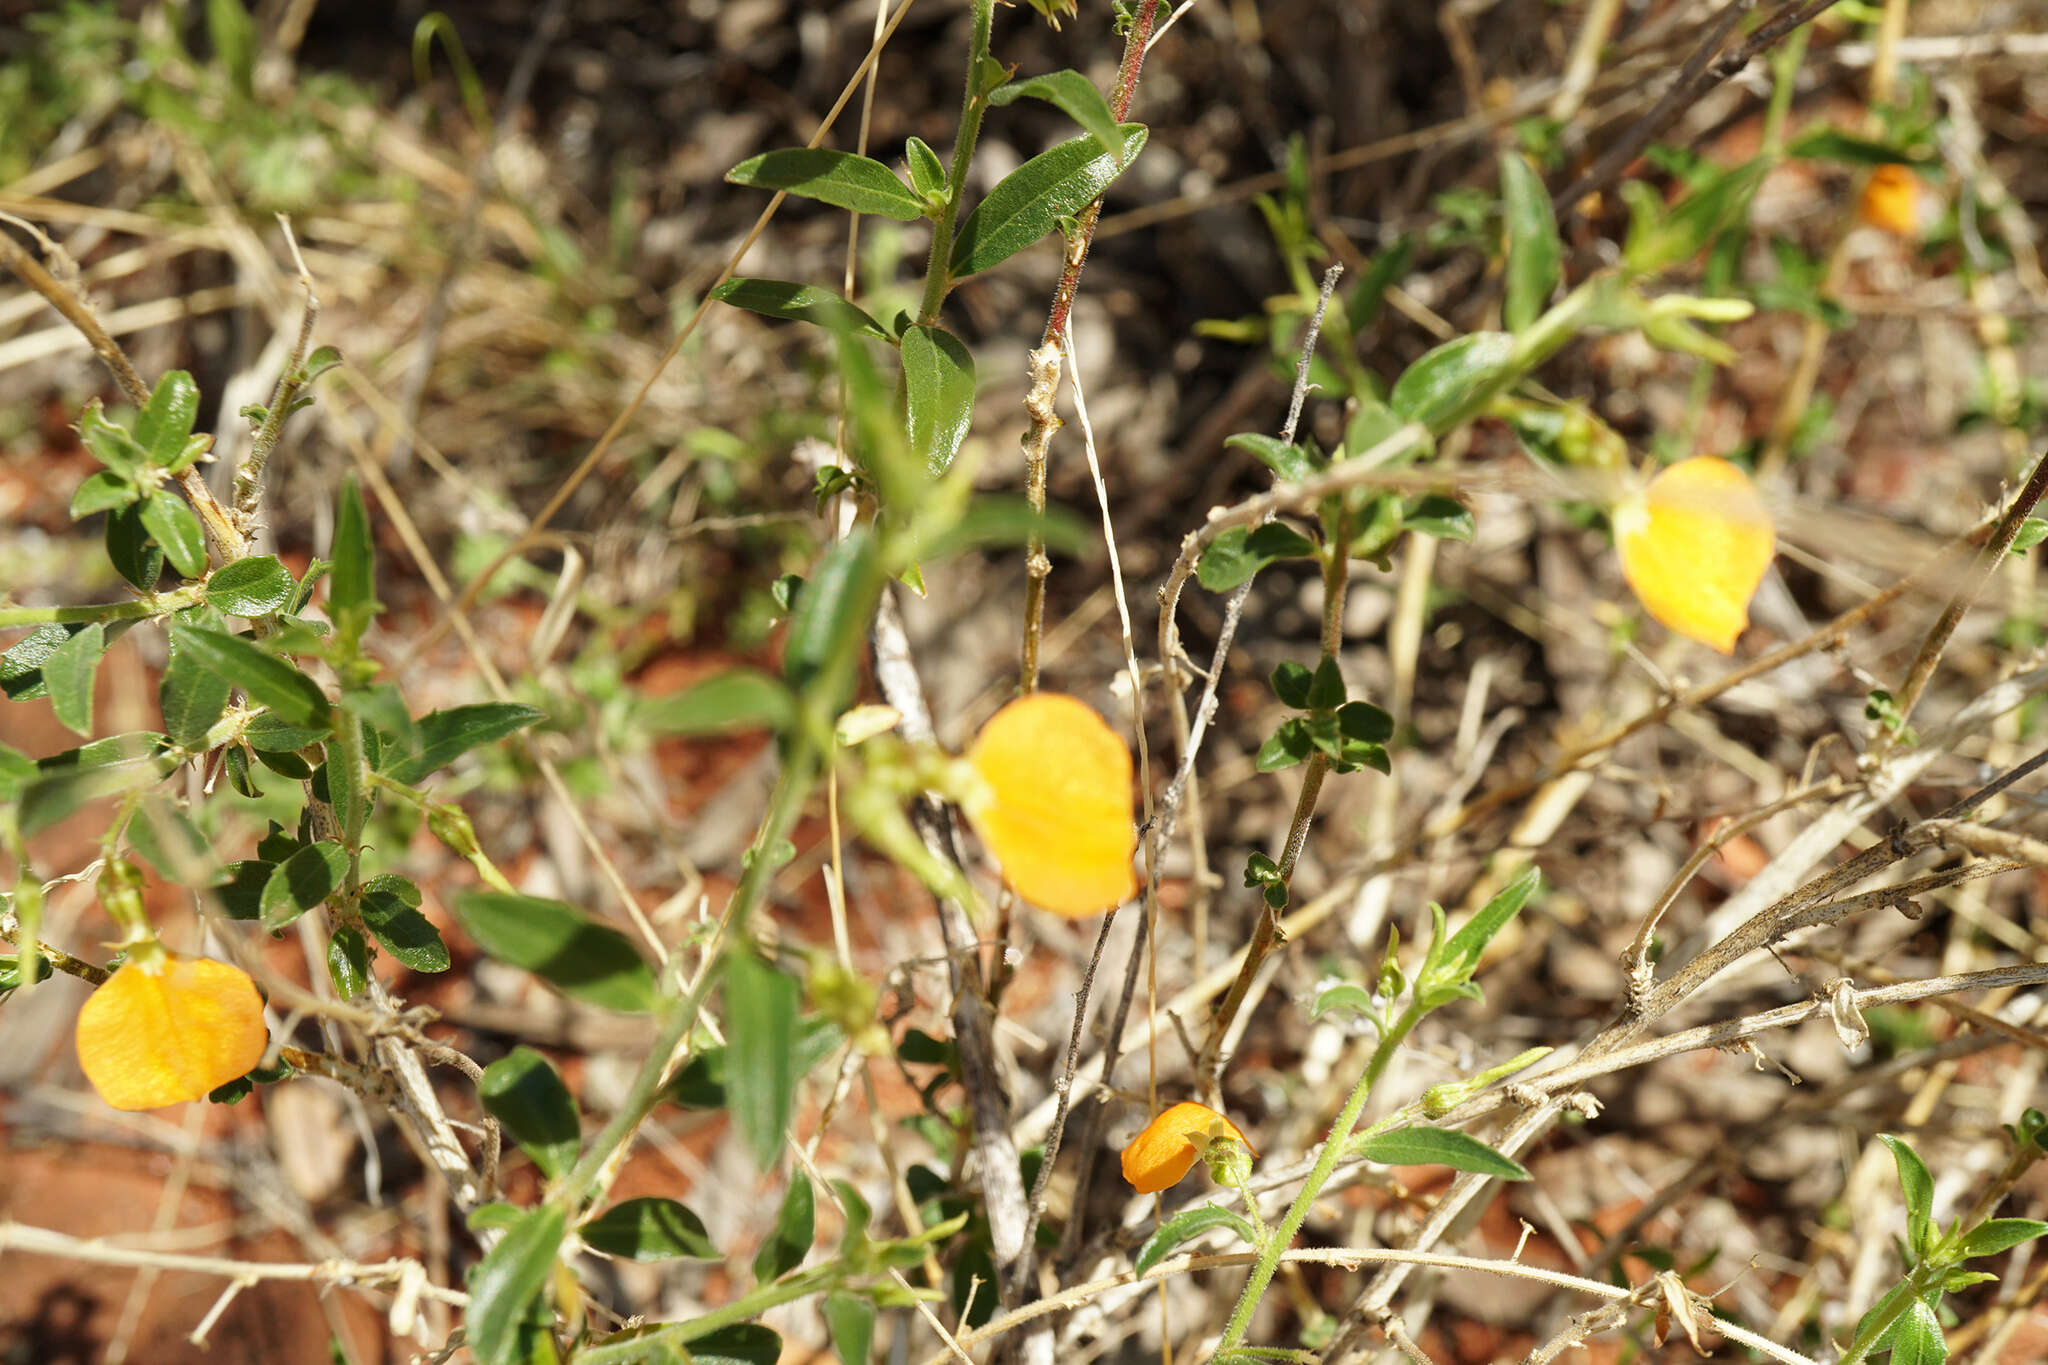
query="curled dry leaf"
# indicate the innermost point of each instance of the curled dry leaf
(1167, 1149)
(162, 1032)
(1058, 814)
(1695, 546)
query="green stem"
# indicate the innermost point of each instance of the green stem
(938, 274)
(1318, 1176)
(1874, 1330)
(133, 609)
(751, 1304)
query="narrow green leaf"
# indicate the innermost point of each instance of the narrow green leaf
(256, 586)
(111, 445)
(1462, 953)
(352, 582)
(795, 1225)
(526, 1096)
(1998, 1234)
(1345, 995)
(1076, 96)
(739, 699)
(301, 882)
(1534, 251)
(165, 422)
(1452, 380)
(17, 770)
(851, 1320)
(292, 696)
(832, 614)
(102, 491)
(938, 381)
(1029, 201)
(582, 959)
(1187, 1225)
(446, 735)
(174, 527)
(927, 173)
(1440, 1147)
(761, 1013)
(21, 666)
(744, 1343)
(507, 1283)
(649, 1230)
(1915, 1339)
(69, 672)
(1917, 1184)
(799, 303)
(112, 766)
(841, 179)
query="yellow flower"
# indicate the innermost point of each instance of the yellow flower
(1170, 1144)
(168, 1028)
(1694, 546)
(1058, 814)
(1892, 200)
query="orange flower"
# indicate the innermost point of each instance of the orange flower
(1058, 814)
(167, 1028)
(1168, 1147)
(1695, 546)
(1892, 200)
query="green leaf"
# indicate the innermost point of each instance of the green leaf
(1345, 995)
(111, 445)
(832, 614)
(1462, 953)
(740, 699)
(446, 735)
(1075, 95)
(165, 835)
(745, 1343)
(1831, 144)
(133, 554)
(102, 491)
(795, 1224)
(508, 1282)
(352, 582)
(21, 666)
(69, 672)
(649, 1230)
(1451, 381)
(1187, 1225)
(1029, 201)
(1291, 683)
(1292, 743)
(761, 1013)
(1918, 1186)
(1915, 1338)
(526, 1096)
(17, 770)
(799, 303)
(1421, 1146)
(1533, 247)
(2031, 533)
(1287, 460)
(938, 382)
(1446, 518)
(256, 586)
(584, 960)
(233, 35)
(1238, 553)
(1325, 686)
(165, 422)
(292, 696)
(851, 1320)
(996, 519)
(405, 933)
(348, 961)
(1998, 1234)
(112, 766)
(241, 895)
(173, 526)
(840, 179)
(301, 882)
(1660, 237)
(267, 734)
(927, 173)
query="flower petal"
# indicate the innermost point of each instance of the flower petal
(1695, 548)
(1167, 1150)
(1059, 819)
(149, 1039)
